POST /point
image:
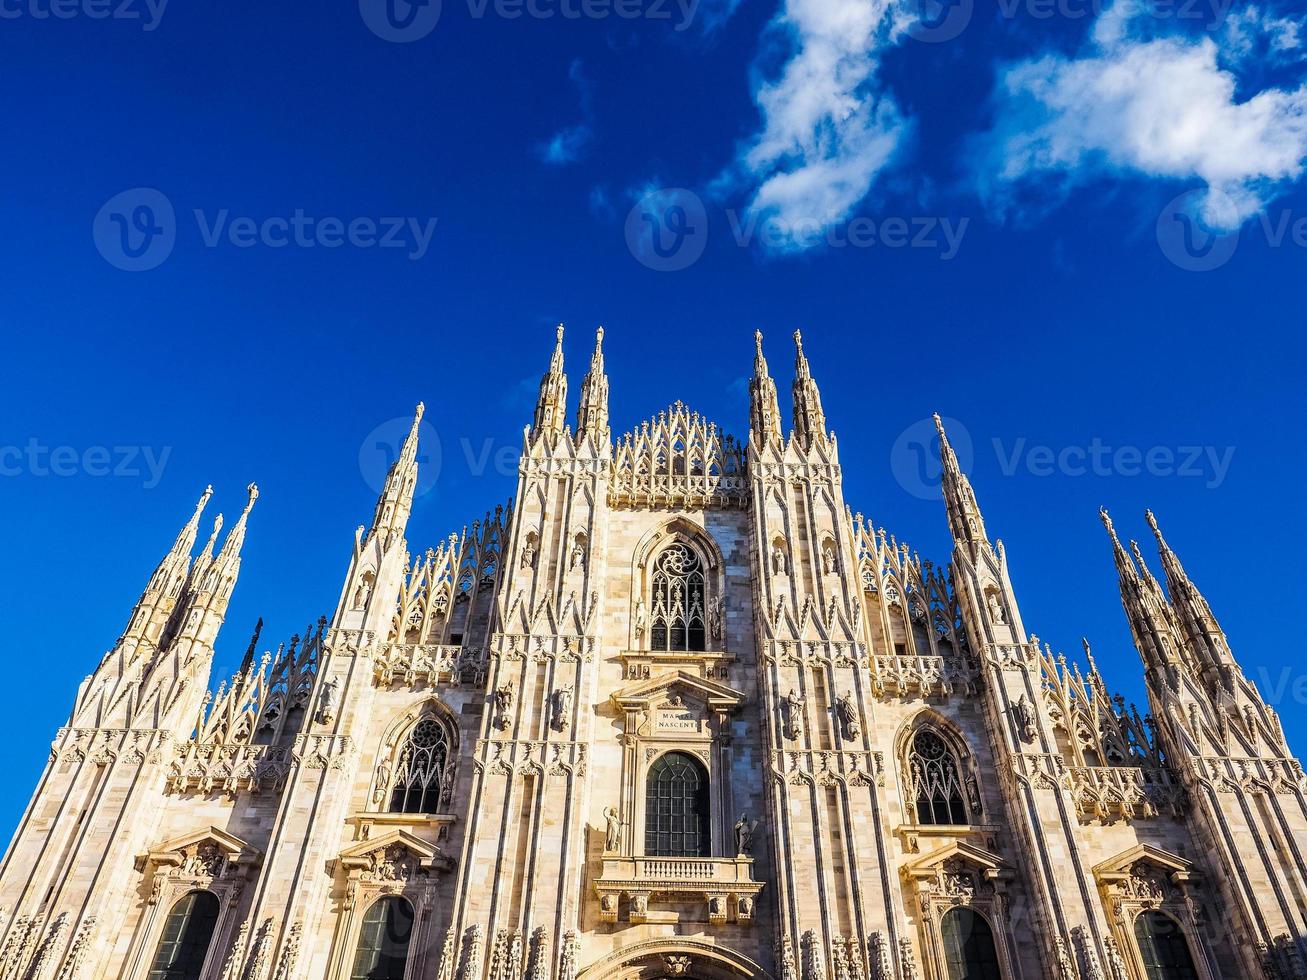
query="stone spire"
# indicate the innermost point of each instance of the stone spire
(219, 577)
(809, 419)
(396, 499)
(1203, 636)
(764, 410)
(1146, 608)
(964, 517)
(552, 404)
(592, 413)
(166, 583)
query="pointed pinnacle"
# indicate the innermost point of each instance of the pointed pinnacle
(1107, 523)
(1157, 531)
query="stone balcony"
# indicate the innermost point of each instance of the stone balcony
(429, 663)
(724, 884)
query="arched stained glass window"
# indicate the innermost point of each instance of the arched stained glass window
(420, 770)
(187, 932)
(1163, 947)
(936, 783)
(383, 941)
(676, 808)
(676, 613)
(969, 952)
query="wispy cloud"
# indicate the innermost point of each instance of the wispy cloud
(569, 144)
(829, 123)
(1171, 107)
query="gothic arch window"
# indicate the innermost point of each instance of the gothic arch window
(382, 952)
(187, 933)
(1163, 947)
(676, 821)
(420, 778)
(969, 951)
(935, 780)
(677, 601)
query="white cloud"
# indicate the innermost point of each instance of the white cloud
(829, 126)
(1166, 107)
(569, 144)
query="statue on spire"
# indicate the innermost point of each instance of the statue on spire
(592, 413)
(764, 410)
(809, 419)
(551, 406)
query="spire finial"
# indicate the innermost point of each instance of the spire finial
(757, 341)
(809, 419)
(1106, 518)
(592, 411)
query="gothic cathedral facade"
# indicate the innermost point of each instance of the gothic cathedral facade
(674, 712)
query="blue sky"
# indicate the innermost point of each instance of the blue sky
(1078, 233)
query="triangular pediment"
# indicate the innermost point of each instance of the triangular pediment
(360, 853)
(656, 688)
(989, 863)
(1119, 866)
(178, 849)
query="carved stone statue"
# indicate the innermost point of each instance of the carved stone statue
(641, 618)
(848, 715)
(503, 703)
(794, 702)
(677, 966)
(828, 561)
(996, 610)
(327, 701)
(560, 702)
(529, 555)
(717, 617)
(577, 562)
(778, 560)
(612, 829)
(1025, 719)
(744, 835)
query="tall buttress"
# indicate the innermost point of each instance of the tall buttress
(1229, 748)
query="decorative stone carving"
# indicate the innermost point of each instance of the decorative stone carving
(560, 703)
(503, 699)
(612, 829)
(744, 831)
(847, 713)
(793, 705)
(327, 701)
